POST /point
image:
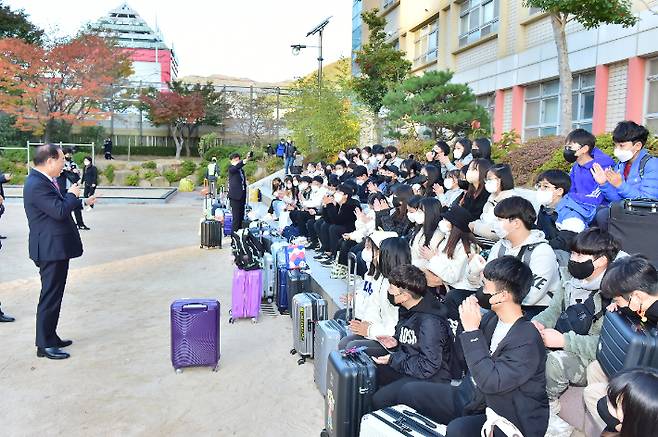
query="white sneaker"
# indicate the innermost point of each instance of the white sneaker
(558, 427)
(554, 407)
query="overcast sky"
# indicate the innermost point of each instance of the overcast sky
(247, 38)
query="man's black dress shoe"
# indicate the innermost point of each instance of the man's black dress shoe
(64, 343)
(2, 237)
(84, 228)
(6, 319)
(52, 353)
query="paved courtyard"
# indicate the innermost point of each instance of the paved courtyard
(119, 380)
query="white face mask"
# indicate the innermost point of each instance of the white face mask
(303, 186)
(314, 188)
(472, 176)
(491, 186)
(87, 163)
(366, 256)
(445, 227)
(412, 217)
(544, 197)
(420, 217)
(365, 157)
(499, 230)
(449, 184)
(360, 182)
(339, 173)
(295, 183)
(623, 155)
(339, 196)
(287, 199)
(458, 153)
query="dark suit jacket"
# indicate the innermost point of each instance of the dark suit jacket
(237, 182)
(53, 233)
(90, 175)
(2, 181)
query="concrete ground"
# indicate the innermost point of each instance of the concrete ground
(119, 380)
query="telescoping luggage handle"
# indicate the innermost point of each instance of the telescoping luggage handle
(351, 286)
(194, 307)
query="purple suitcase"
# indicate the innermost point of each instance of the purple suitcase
(194, 333)
(246, 294)
(228, 223)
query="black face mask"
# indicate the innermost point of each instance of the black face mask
(391, 300)
(475, 153)
(462, 184)
(569, 156)
(422, 179)
(404, 173)
(581, 270)
(628, 313)
(611, 422)
(483, 298)
(387, 156)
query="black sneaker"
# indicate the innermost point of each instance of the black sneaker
(327, 262)
(320, 256)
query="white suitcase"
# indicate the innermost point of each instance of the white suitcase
(269, 277)
(399, 420)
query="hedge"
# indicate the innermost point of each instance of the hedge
(141, 150)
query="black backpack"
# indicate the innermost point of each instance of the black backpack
(246, 253)
(579, 317)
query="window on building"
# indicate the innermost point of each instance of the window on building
(477, 18)
(652, 96)
(583, 100)
(488, 102)
(534, 10)
(541, 109)
(426, 43)
(387, 3)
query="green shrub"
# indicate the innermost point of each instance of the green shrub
(186, 185)
(78, 157)
(150, 174)
(273, 164)
(150, 165)
(529, 158)
(141, 150)
(171, 176)
(206, 142)
(221, 152)
(109, 173)
(132, 180)
(187, 168)
(15, 155)
(509, 141)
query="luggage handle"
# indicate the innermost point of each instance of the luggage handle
(194, 306)
(351, 286)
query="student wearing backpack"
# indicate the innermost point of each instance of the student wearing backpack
(571, 324)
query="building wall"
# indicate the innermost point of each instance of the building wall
(617, 86)
(478, 55)
(507, 111)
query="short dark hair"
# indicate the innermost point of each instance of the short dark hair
(582, 137)
(234, 155)
(445, 148)
(504, 173)
(359, 171)
(466, 143)
(393, 252)
(557, 178)
(377, 149)
(596, 242)
(307, 179)
(319, 179)
(392, 149)
(333, 181)
(630, 131)
(635, 389)
(367, 149)
(88, 158)
(409, 278)
(43, 153)
(348, 189)
(628, 274)
(517, 207)
(510, 274)
(341, 163)
(68, 150)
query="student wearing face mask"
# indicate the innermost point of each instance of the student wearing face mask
(461, 154)
(340, 219)
(450, 190)
(505, 360)
(571, 324)
(410, 170)
(500, 185)
(427, 233)
(391, 157)
(361, 180)
(314, 227)
(387, 181)
(475, 195)
(632, 284)
(481, 149)
(307, 199)
(395, 219)
(340, 171)
(556, 218)
(515, 228)
(431, 175)
(422, 346)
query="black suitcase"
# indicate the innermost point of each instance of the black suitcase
(625, 343)
(351, 382)
(633, 223)
(297, 282)
(211, 234)
(295, 169)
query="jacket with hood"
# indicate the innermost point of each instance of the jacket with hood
(419, 242)
(483, 226)
(511, 380)
(635, 186)
(342, 215)
(425, 342)
(465, 160)
(314, 201)
(363, 229)
(452, 271)
(376, 309)
(386, 221)
(584, 189)
(559, 239)
(542, 263)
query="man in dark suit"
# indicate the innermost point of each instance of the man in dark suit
(6, 177)
(53, 241)
(237, 189)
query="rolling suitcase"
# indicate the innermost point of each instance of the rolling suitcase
(194, 333)
(211, 234)
(624, 343)
(228, 223)
(281, 280)
(351, 382)
(296, 282)
(246, 294)
(329, 333)
(269, 277)
(307, 309)
(629, 221)
(399, 420)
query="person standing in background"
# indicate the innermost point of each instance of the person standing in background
(107, 148)
(4, 178)
(290, 154)
(212, 174)
(237, 189)
(89, 182)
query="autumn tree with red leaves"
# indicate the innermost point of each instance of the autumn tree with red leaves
(175, 110)
(66, 81)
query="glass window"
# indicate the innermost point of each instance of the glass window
(542, 109)
(488, 102)
(477, 19)
(652, 97)
(583, 100)
(426, 43)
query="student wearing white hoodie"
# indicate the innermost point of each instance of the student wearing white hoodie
(427, 234)
(376, 314)
(500, 185)
(516, 218)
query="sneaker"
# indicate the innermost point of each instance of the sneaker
(338, 271)
(327, 262)
(320, 255)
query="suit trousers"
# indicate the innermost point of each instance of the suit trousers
(311, 229)
(237, 210)
(53, 281)
(88, 192)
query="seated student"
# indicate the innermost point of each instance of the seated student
(636, 174)
(427, 233)
(340, 219)
(500, 185)
(556, 218)
(450, 190)
(516, 220)
(581, 150)
(340, 170)
(410, 171)
(439, 156)
(632, 285)
(310, 204)
(481, 148)
(314, 227)
(391, 157)
(505, 357)
(448, 264)
(432, 176)
(571, 324)
(361, 179)
(395, 219)
(476, 196)
(422, 345)
(300, 215)
(461, 154)
(375, 314)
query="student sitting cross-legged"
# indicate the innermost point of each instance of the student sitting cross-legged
(505, 357)
(422, 345)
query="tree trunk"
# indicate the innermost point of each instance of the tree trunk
(559, 23)
(379, 129)
(177, 140)
(48, 130)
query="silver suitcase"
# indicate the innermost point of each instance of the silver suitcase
(307, 310)
(269, 277)
(329, 333)
(399, 420)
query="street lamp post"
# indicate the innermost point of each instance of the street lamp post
(296, 48)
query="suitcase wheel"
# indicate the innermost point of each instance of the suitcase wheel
(179, 371)
(324, 433)
(201, 246)
(254, 320)
(301, 361)
(270, 300)
(216, 368)
(293, 351)
(230, 312)
(231, 320)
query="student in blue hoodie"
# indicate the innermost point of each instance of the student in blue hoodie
(581, 150)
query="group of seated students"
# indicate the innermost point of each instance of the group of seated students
(470, 284)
